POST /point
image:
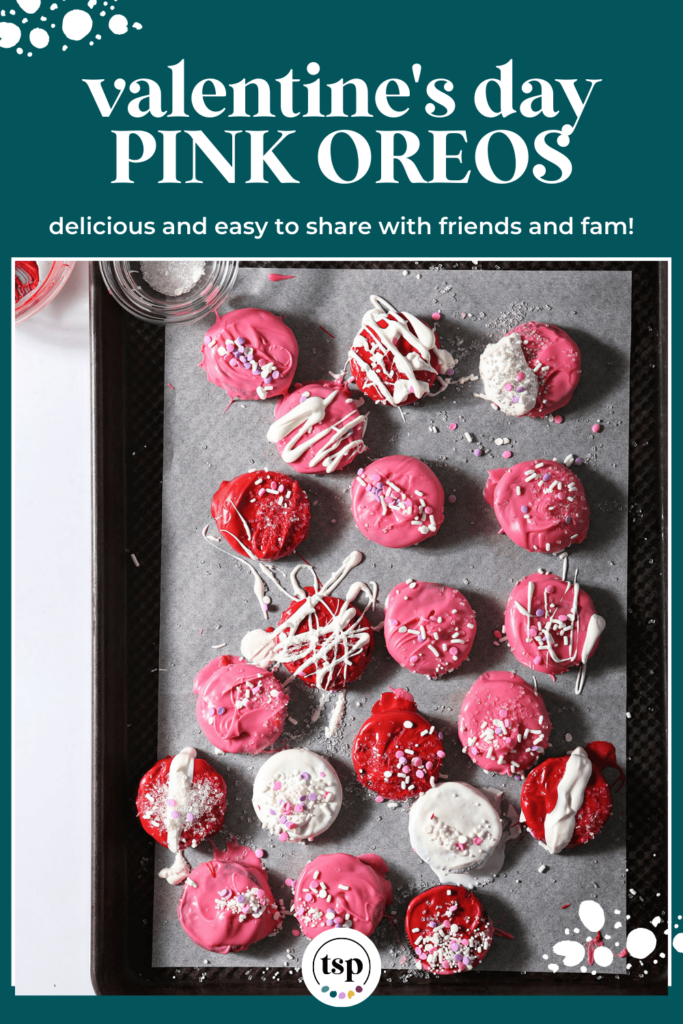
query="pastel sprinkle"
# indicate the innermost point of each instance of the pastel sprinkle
(478, 452)
(436, 316)
(451, 498)
(289, 881)
(379, 799)
(174, 814)
(507, 455)
(596, 428)
(190, 816)
(277, 785)
(508, 387)
(520, 375)
(170, 803)
(452, 426)
(296, 932)
(578, 461)
(220, 711)
(260, 853)
(283, 837)
(559, 419)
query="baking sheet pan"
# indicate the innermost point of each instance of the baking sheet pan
(207, 599)
(462, 470)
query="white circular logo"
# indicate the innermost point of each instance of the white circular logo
(341, 967)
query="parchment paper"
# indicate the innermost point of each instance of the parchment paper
(207, 590)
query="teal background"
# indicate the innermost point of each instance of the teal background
(59, 159)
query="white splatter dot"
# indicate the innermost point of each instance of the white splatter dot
(30, 6)
(39, 38)
(655, 921)
(553, 967)
(118, 25)
(592, 915)
(92, 3)
(10, 34)
(76, 24)
(603, 956)
(137, 25)
(640, 943)
(572, 952)
(678, 942)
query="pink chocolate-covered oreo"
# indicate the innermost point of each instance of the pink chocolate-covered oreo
(241, 709)
(251, 354)
(503, 725)
(226, 904)
(358, 886)
(551, 625)
(556, 361)
(397, 501)
(541, 505)
(428, 628)
(318, 427)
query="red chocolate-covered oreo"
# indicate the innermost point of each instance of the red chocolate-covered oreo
(396, 358)
(397, 753)
(331, 645)
(181, 800)
(262, 515)
(566, 801)
(449, 929)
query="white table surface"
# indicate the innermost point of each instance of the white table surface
(51, 649)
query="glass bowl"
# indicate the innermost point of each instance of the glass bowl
(126, 284)
(51, 284)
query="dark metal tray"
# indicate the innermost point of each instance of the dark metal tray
(128, 421)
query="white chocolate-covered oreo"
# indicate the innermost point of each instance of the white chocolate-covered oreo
(509, 382)
(454, 828)
(297, 795)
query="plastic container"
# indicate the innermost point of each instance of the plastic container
(126, 284)
(51, 284)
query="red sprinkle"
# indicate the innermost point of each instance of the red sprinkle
(171, 387)
(326, 332)
(559, 419)
(565, 906)
(281, 277)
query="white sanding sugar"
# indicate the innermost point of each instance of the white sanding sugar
(172, 277)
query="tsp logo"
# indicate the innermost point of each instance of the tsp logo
(341, 967)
